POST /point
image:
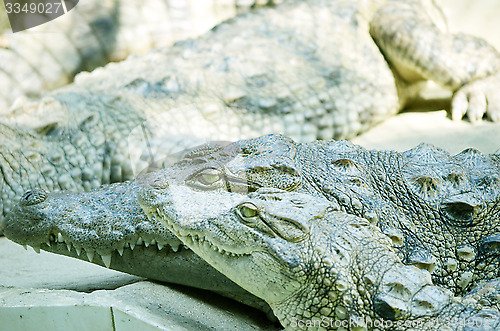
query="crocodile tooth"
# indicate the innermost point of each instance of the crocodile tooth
(153, 242)
(68, 244)
(106, 259)
(48, 243)
(139, 241)
(146, 243)
(120, 251)
(36, 249)
(175, 247)
(78, 250)
(25, 246)
(160, 246)
(60, 237)
(90, 255)
(132, 246)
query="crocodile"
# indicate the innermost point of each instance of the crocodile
(232, 83)
(318, 267)
(94, 33)
(440, 211)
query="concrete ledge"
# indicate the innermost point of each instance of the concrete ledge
(407, 130)
(54, 292)
(139, 306)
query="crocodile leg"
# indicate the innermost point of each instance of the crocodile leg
(418, 49)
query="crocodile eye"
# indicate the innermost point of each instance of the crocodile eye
(209, 177)
(33, 197)
(248, 210)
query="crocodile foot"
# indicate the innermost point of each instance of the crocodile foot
(478, 98)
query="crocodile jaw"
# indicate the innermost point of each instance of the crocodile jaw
(242, 268)
(220, 239)
(109, 258)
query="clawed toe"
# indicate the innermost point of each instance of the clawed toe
(476, 99)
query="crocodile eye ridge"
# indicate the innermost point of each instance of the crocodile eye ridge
(209, 178)
(33, 197)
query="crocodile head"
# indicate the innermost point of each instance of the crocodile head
(106, 226)
(98, 223)
(251, 238)
(228, 230)
(307, 260)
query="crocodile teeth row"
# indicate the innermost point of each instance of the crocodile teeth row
(106, 259)
(140, 241)
(200, 240)
(208, 244)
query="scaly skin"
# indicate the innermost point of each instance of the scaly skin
(96, 32)
(315, 265)
(109, 124)
(402, 193)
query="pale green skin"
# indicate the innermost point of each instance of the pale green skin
(313, 264)
(233, 83)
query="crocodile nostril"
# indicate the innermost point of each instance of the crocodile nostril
(32, 197)
(460, 211)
